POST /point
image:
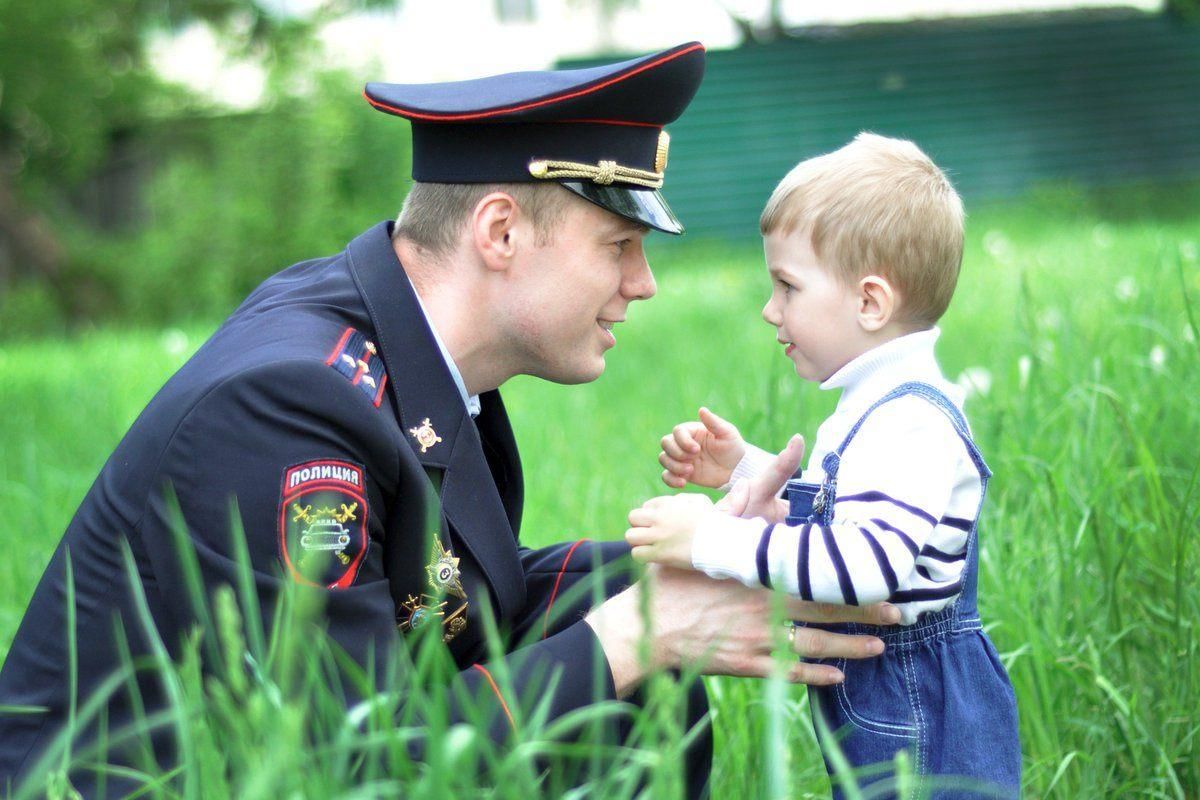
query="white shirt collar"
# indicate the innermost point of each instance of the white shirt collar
(472, 403)
(879, 370)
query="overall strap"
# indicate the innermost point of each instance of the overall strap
(937, 399)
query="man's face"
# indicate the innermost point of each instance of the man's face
(575, 289)
(814, 314)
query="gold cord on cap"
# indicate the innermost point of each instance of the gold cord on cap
(604, 173)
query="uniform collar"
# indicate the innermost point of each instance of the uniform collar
(471, 403)
(425, 396)
(874, 373)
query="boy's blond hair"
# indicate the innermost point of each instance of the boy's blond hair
(877, 206)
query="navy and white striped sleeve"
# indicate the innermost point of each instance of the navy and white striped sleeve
(894, 486)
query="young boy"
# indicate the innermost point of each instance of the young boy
(863, 246)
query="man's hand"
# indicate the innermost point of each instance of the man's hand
(725, 628)
(664, 527)
(703, 452)
(758, 497)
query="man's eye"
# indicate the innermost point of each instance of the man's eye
(621, 245)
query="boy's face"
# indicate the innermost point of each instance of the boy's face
(815, 315)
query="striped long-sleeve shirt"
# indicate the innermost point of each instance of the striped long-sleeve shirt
(907, 495)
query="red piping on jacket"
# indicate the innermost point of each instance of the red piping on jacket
(557, 581)
(499, 696)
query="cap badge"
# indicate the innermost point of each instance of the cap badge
(425, 435)
(660, 155)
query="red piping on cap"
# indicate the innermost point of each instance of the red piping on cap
(536, 103)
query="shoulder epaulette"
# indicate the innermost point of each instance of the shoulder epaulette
(352, 356)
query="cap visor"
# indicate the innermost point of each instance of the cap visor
(646, 206)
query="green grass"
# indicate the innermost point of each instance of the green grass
(1078, 309)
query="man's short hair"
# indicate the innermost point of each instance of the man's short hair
(434, 214)
(877, 206)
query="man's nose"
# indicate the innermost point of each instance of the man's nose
(639, 280)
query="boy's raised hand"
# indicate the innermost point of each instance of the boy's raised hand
(703, 452)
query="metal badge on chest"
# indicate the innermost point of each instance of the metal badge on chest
(445, 580)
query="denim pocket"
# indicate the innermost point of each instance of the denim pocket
(875, 697)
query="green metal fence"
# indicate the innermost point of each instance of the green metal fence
(1002, 104)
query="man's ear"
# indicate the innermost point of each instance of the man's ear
(876, 302)
(492, 229)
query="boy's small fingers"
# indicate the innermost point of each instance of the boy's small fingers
(716, 424)
(673, 448)
(684, 438)
(674, 465)
(673, 480)
(641, 517)
(640, 553)
(637, 536)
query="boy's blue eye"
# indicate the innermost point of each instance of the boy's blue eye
(787, 287)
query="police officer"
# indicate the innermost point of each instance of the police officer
(351, 399)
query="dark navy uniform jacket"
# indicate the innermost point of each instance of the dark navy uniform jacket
(324, 406)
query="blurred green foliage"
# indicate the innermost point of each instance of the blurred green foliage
(247, 196)
(219, 200)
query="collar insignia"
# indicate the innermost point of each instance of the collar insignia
(425, 435)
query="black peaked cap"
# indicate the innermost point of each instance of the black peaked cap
(597, 131)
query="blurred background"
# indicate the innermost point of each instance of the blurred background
(158, 158)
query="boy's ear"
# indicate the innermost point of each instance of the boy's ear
(876, 302)
(492, 229)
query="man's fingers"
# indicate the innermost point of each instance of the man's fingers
(807, 611)
(816, 643)
(815, 674)
(717, 426)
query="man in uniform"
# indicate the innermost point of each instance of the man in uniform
(346, 390)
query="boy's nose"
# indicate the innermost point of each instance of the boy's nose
(769, 314)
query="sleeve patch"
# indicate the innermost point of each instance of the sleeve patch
(323, 522)
(354, 357)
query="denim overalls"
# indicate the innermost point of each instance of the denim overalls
(939, 689)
